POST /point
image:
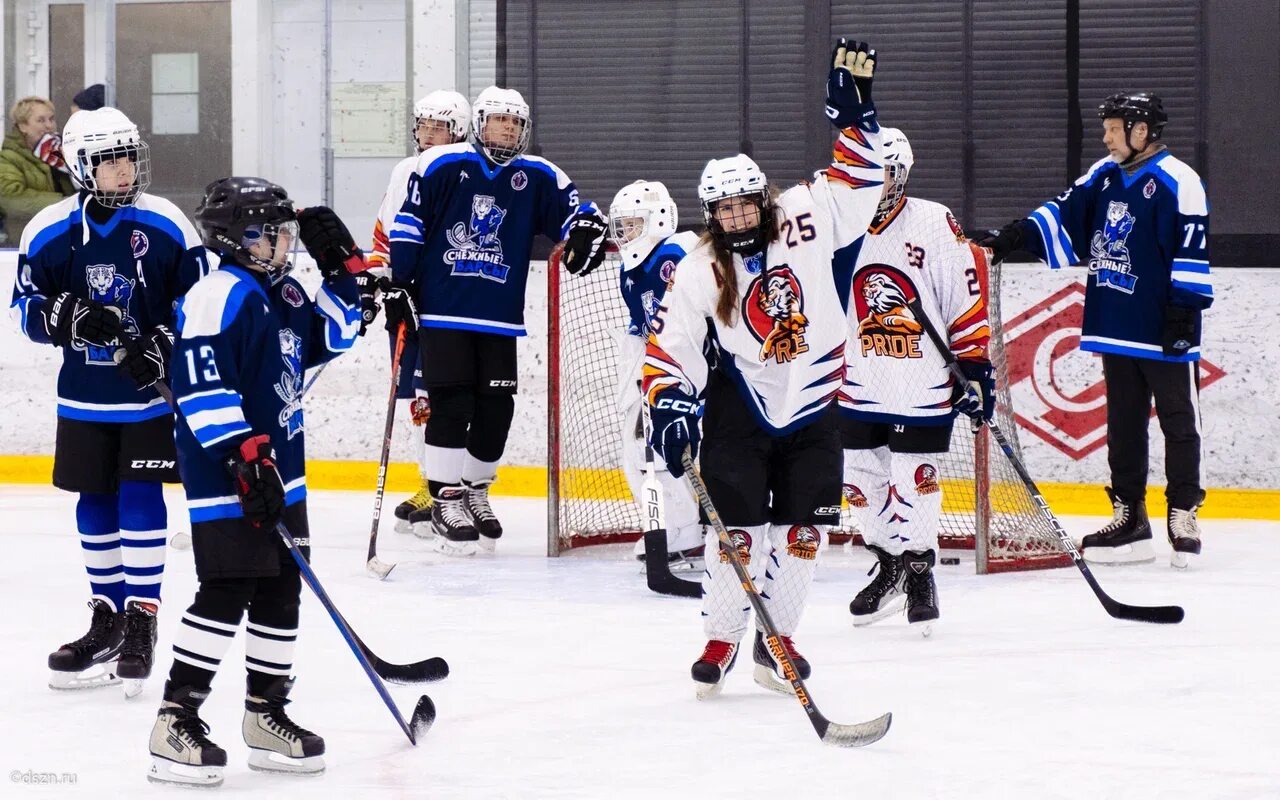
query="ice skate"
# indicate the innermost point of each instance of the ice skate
(769, 671)
(138, 650)
(1184, 534)
(404, 512)
(712, 666)
(884, 596)
(1124, 540)
(482, 517)
(454, 533)
(181, 752)
(277, 743)
(420, 523)
(90, 660)
(922, 591)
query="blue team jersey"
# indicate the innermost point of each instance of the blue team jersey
(1144, 238)
(464, 234)
(241, 349)
(140, 261)
(644, 284)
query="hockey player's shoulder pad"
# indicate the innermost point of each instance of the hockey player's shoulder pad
(1183, 181)
(1099, 169)
(49, 223)
(165, 215)
(542, 165)
(431, 161)
(934, 219)
(215, 301)
(672, 249)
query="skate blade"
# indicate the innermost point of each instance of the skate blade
(164, 771)
(1180, 560)
(766, 678)
(271, 761)
(133, 687)
(925, 627)
(486, 546)
(403, 526)
(895, 605)
(423, 531)
(1136, 553)
(445, 546)
(706, 691)
(90, 678)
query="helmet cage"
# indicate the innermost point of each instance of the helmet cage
(88, 161)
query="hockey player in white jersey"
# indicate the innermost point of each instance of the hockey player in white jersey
(899, 401)
(762, 287)
(642, 223)
(439, 118)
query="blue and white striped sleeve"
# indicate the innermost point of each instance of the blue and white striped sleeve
(1063, 221)
(1190, 282)
(337, 323)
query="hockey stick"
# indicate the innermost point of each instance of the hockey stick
(314, 376)
(657, 569)
(376, 567)
(857, 735)
(1156, 614)
(424, 713)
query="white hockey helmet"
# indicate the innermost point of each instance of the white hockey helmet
(445, 106)
(898, 159)
(105, 134)
(495, 100)
(735, 176)
(641, 215)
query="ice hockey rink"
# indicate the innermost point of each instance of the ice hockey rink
(571, 680)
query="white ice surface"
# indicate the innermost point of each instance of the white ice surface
(570, 679)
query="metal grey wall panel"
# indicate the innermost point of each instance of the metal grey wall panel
(782, 95)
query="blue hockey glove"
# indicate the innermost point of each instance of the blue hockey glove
(976, 399)
(853, 65)
(675, 418)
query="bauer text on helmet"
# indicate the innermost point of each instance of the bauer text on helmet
(500, 124)
(441, 117)
(106, 156)
(641, 216)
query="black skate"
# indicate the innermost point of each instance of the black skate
(922, 591)
(1124, 540)
(883, 596)
(712, 666)
(181, 752)
(482, 516)
(404, 512)
(138, 651)
(454, 533)
(89, 661)
(420, 523)
(769, 671)
(277, 743)
(1184, 534)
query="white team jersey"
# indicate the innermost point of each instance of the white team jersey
(894, 372)
(392, 200)
(785, 350)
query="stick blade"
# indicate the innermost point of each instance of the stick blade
(377, 568)
(424, 714)
(857, 735)
(658, 570)
(1159, 615)
(428, 671)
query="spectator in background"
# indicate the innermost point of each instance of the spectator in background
(32, 172)
(90, 98)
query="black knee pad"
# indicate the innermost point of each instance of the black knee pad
(223, 599)
(492, 423)
(452, 410)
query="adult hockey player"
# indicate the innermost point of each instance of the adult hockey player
(441, 117)
(1140, 219)
(462, 242)
(97, 269)
(642, 223)
(899, 400)
(762, 286)
(246, 334)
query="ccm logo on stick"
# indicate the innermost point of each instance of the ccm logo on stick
(149, 464)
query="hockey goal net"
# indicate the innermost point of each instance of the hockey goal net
(986, 507)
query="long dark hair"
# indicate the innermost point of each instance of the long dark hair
(722, 260)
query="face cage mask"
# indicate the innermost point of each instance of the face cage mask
(496, 153)
(450, 131)
(746, 242)
(280, 238)
(896, 190)
(139, 154)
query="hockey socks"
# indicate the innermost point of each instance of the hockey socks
(143, 522)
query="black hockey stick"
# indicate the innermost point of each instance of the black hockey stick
(657, 568)
(857, 735)
(424, 713)
(376, 566)
(1156, 614)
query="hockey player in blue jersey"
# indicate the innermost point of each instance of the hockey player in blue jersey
(1140, 220)
(462, 243)
(246, 334)
(642, 224)
(97, 269)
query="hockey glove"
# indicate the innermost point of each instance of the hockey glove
(853, 65)
(329, 242)
(977, 398)
(1179, 330)
(49, 150)
(147, 359)
(367, 283)
(397, 300)
(584, 245)
(70, 319)
(257, 481)
(674, 418)
(1001, 242)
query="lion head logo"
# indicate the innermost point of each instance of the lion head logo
(887, 305)
(855, 496)
(803, 541)
(773, 307)
(742, 543)
(926, 477)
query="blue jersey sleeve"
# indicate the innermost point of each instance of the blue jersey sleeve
(1190, 282)
(1064, 222)
(560, 205)
(32, 290)
(336, 324)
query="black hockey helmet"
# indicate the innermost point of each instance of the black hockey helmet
(238, 213)
(1135, 107)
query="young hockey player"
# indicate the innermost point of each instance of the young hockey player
(442, 117)
(95, 270)
(642, 223)
(899, 401)
(765, 285)
(462, 243)
(246, 334)
(1140, 219)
